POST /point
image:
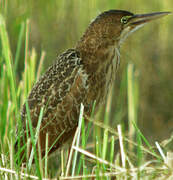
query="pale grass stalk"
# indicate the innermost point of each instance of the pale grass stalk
(129, 162)
(108, 106)
(169, 160)
(62, 162)
(71, 153)
(32, 65)
(86, 153)
(8, 119)
(161, 152)
(144, 166)
(43, 54)
(123, 156)
(112, 149)
(28, 144)
(11, 155)
(131, 101)
(3, 159)
(90, 176)
(132, 172)
(78, 137)
(5, 170)
(3, 163)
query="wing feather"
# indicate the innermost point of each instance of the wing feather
(52, 87)
(60, 91)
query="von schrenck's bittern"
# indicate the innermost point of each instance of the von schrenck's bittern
(80, 75)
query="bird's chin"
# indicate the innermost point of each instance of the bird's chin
(128, 31)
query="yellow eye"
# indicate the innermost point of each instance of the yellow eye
(124, 19)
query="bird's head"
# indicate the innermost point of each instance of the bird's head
(130, 23)
(114, 26)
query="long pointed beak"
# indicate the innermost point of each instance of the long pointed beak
(139, 19)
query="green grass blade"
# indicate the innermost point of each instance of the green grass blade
(19, 45)
(105, 144)
(83, 146)
(46, 157)
(33, 140)
(146, 141)
(9, 65)
(112, 149)
(36, 137)
(26, 73)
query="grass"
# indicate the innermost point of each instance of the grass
(98, 151)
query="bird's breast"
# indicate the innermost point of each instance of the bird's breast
(102, 79)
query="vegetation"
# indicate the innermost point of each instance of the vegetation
(122, 140)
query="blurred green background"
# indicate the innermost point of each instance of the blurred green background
(58, 24)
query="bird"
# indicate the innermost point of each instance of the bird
(81, 75)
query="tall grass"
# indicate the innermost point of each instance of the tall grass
(102, 150)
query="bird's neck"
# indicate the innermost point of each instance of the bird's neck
(96, 50)
(100, 59)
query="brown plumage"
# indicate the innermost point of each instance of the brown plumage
(80, 75)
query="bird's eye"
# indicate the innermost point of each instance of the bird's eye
(124, 19)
